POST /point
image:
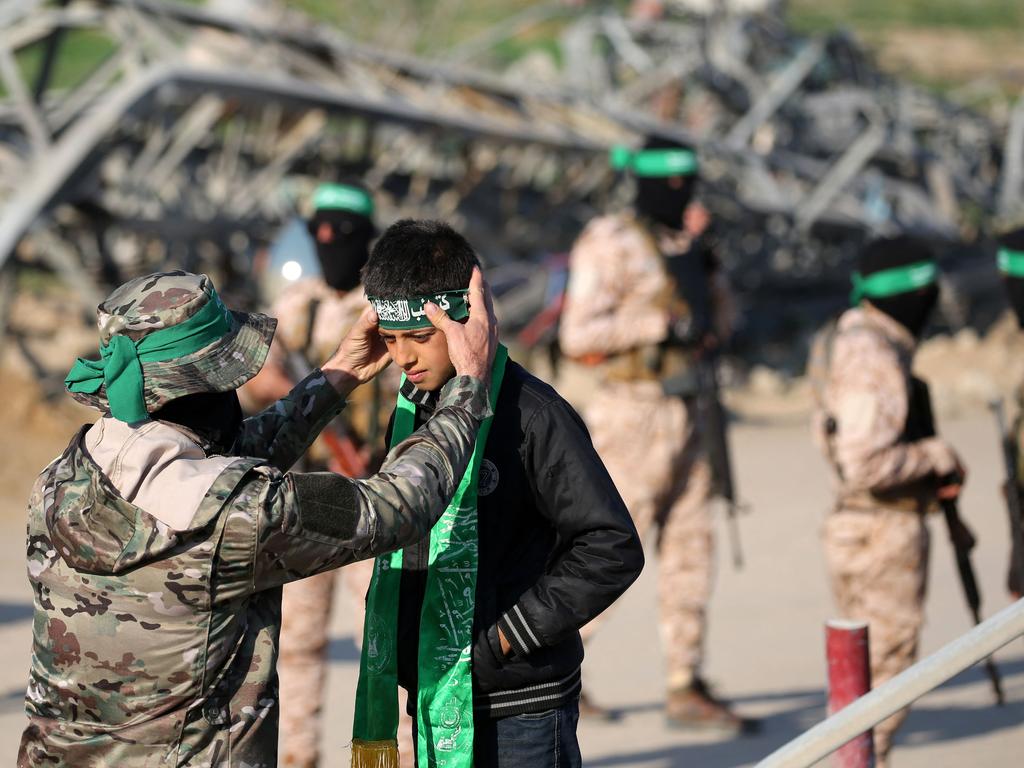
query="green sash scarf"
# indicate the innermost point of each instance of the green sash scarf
(444, 701)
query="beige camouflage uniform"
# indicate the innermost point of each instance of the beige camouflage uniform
(307, 603)
(156, 644)
(876, 541)
(615, 317)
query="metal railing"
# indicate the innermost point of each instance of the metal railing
(967, 650)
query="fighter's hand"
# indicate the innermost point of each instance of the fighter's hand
(361, 356)
(471, 345)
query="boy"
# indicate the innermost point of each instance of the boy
(484, 615)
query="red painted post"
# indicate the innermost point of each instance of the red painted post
(849, 678)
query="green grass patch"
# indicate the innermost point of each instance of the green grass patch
(817, 15)
(80, 52)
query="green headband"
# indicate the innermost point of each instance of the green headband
(120, 365)
(409, 314)
(654, 162)
(1011, 263)
(890, 282)
(342, 197)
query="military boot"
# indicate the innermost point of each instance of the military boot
(696, 708)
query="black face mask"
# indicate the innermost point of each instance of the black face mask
(658, 201)
(911, 310)
(342, 259)
(1015, 293)
(214, 417)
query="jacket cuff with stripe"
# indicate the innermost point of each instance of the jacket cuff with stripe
(517, 631)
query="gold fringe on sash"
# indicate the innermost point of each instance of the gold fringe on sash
(375, 754)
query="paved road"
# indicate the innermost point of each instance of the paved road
(765, 645)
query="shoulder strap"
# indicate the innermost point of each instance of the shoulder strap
(311, 312)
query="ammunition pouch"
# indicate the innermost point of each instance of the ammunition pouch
(914, 497)
(672, 366)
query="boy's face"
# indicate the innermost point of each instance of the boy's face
(423, 354)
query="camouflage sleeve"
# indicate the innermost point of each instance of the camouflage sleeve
(868, 398)
(318, 521)
(281, 433)
(615, 298)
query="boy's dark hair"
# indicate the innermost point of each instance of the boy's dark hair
(415, 257)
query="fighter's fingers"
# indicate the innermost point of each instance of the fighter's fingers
(437, 317)
(477, 295)
(369, 317)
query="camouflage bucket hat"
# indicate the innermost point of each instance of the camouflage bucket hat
(164, 336)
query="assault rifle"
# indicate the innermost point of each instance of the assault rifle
(960, 535)
(691, 273)
(1011, 489)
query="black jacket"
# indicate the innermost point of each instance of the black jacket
(557, 547)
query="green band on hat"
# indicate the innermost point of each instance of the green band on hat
(119, 368)
(1011, 262)
(654, 162)
(409, 314)
(890, 282)
(342, 197)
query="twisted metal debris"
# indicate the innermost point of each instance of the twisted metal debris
(199, 133)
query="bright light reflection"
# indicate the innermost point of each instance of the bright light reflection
(291, 270)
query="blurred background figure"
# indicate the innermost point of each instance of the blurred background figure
(314, 314)
(1010, 262)
(873, 423)
(645, 302)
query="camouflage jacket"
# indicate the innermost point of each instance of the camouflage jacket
(860, 372)
(156, 645)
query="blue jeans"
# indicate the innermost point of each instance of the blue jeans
(541, 740)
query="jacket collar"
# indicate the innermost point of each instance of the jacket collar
(427, 401)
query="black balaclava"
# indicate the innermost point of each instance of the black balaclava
(1014, 241)
(342, 259)
(911, 309)
(656, 199)
(214, 417)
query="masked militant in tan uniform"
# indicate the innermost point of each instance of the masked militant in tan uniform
(1011, 268)
(159, 540)
(643, 303)
(868, 422)
(313, 315)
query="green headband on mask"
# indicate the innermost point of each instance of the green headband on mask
(410, 314)
(342, 197)
(655, 163)
(119, 368)
(890, 282)
(1011, 263)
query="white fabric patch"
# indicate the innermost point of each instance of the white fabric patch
(155, 467)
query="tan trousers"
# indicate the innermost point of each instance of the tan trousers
(652, 451)
(878, 564)
(302, 666)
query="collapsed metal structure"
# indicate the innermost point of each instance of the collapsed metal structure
(197, 133)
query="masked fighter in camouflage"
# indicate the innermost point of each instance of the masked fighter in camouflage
(313, 315)
(1011, 267)
(159, 540)
(867, 422)
(645, 299)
